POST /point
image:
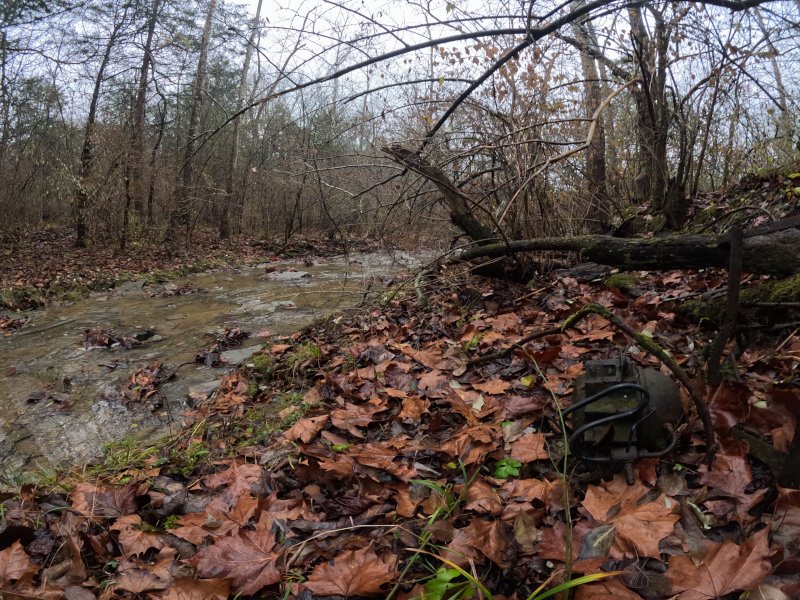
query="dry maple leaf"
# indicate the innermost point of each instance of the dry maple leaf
(15, 563)
(238, 479)
(529, 447)
(188, 588)
(493, 387)
(731, 477)
(306, 430)
(353, 573)
(413, 408)
(490, 538)
(247, 558)
(640, 526)
(482, 498)
(131, 537)
(727, 567)
(96, 501)
(136, 577)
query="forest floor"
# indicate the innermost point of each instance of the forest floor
(418, 450)
(374, 455)
(43, 266)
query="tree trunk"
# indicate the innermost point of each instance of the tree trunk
(770, 250)
(137, 142)
(233, 161)
(461, 213)
(181, 218)
(597, 217)
(80, 200)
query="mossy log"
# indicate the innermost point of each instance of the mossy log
(774, 253)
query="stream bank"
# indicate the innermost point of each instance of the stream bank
(62, 400)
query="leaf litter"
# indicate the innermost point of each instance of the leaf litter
(340, 461)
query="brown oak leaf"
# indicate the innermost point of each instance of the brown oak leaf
(353, 573)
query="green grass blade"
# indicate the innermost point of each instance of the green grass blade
(568, 585)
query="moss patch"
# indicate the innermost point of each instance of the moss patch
(620, 281)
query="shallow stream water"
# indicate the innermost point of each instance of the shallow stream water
(60, 401)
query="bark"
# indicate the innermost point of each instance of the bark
(233, 161)
(597, 217)
(765, 252)
(137, 142)
(181, 218)
(461, 214)
(80, 200)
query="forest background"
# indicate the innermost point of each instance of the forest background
(144, 119)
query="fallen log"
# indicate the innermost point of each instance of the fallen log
(776, 252)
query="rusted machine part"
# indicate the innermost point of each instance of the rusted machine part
(623, 412)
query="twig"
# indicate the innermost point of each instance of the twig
(713, 370)
(516, 345)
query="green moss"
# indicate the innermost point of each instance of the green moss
(129, 452)
(771, 291)
(784, 290)
(304, 353)
(699, 311)
(261, 421)
(620, 281)
(263, 364)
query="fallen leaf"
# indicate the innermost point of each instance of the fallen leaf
(530, 447)
(493, 387)
(96, 501)
(306, 430)
(413, 408)
(247, 558)
(482, 498)
(639, 525)
(15, 563)
(132, 538)
(353, 573)
(188, 588)
(490, 538)
(728, 567)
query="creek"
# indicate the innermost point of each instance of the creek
(60, 400)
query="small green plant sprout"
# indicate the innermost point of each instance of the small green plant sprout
(539, 593)
(448, 584)
(507, 467)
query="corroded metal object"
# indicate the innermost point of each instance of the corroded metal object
(622, 412)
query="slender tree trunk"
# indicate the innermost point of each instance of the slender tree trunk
(5, 97)
(138, 132)
(233, 161)
(783, 123)
(81, 198)
(151, 188)
(597, 216)
(181, 218)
